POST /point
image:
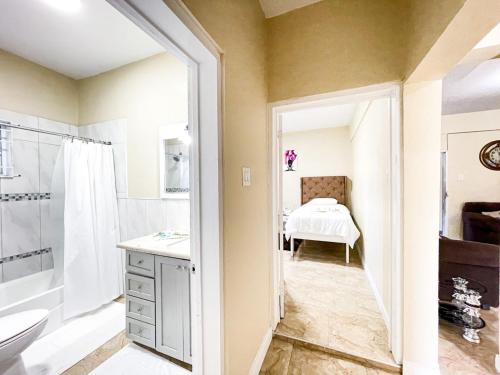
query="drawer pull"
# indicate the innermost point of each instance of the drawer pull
(140, 261)
(139, 286)
(139, 310)
(140, 332)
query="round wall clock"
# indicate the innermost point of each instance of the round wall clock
(490, 155)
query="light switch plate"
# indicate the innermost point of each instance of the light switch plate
(246, 176)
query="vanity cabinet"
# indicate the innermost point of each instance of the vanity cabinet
(173, 336)
(158, 303)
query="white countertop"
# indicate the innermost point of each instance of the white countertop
(153, 244)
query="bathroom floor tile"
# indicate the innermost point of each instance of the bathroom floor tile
(94, 359)
(133, 360)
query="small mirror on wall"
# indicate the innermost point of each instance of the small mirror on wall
(175, 144)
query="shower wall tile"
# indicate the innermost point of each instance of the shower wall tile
(155, 215)
(24, 120)
(122, 215)
(26, 164)
(20, 227)
(48, 156)
(51, 231)
(52, 126)
(22, 267)
(120, 159)
(137, 225)
(73, 130)
(47, 261)
(178, 212)
(114, 131)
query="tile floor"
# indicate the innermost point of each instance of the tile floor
(459, 357)
(329, 303)
(285, 358)
(135, 360)
(108, 359)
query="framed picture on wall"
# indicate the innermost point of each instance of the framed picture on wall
(290, 161)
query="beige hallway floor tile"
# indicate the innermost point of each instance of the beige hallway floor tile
(331, 304)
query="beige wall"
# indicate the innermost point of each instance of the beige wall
(426, 22)
(334, 45)
(465, 134)
(321, 152)
(238, 28)
(29, 88)
(148, 93)
(371, 196)
(304, 60)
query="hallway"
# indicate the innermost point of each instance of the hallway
(329, 306)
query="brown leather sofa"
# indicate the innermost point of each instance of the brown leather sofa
(475, 261)
(478, 227)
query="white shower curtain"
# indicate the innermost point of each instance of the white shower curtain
(93, 271)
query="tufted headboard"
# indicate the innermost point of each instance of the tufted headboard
(323, 187)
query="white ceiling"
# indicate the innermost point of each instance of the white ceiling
(318, 118)
(273, 8)
(78, 43)
(474, 85)
(470, 91)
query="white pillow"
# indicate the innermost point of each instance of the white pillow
(323, 202)
(495, 214)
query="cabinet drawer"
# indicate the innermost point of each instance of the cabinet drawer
(140, 286)
(141, 332)
(140, 309)
(140, 263)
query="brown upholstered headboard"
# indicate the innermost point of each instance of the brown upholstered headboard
(323, 187)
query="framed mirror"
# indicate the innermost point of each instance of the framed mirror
(174, 153)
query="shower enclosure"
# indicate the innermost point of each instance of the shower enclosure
(32, 194)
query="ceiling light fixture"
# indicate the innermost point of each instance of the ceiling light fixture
(65, 5)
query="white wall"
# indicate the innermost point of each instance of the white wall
(371, 195)
(463, 136)
(321, 152)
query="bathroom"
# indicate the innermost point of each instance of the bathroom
(95, 146)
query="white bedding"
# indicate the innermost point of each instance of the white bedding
(323, 219)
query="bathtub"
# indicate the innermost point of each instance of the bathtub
(34, 292)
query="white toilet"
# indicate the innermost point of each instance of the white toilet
(20, 330)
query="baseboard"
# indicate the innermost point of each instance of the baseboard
(261, 353)
(412, 368)
(378, 297)
(497, 362)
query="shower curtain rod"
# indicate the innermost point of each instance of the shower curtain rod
(8, 124)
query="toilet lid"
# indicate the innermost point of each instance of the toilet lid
(15, 324)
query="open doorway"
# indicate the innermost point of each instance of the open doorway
(470, 202)
(336, 211)
(133, 82)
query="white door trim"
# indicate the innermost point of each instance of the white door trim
(393, 91)
(164, 25)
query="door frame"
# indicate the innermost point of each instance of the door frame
(394, 92)
(172, 25)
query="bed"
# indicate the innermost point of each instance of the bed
(323, 215)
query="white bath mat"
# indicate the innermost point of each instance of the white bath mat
(134, 360)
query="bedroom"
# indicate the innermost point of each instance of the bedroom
(336, 200)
